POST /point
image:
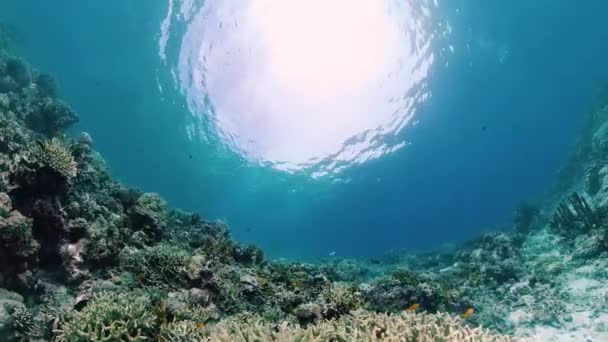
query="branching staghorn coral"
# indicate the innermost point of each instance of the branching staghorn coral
(162, 265)
(182, 331)
(109, 317)
(54, 155)
(360, 326)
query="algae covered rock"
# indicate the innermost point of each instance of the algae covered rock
(18, 252)
(50, 117)
(149, 215)
(396, 292)
(18, 70)
(46, 85)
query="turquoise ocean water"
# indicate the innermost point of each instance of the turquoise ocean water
(422, 125)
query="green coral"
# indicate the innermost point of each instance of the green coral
(360, 326)
(196, 313)
(182, 331)
(153, 202)
(110, 317)
(162, 265)
(54, 155)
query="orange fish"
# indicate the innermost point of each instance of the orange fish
(468, 313)
(413, 307)
(200, 325)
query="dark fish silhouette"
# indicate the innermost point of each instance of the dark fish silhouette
(375, 261)
(484, 128)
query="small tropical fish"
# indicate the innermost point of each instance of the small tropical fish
(332, 253)
(468, 313)
(200, 325)
(412, 307)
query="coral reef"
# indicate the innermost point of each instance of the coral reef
(161, 265)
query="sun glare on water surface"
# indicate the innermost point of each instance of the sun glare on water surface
(291, 82)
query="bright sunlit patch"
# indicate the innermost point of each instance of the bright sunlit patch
(296, 82)
(342, 46)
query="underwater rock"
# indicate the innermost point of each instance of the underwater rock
(404, 287)
(84, 138)
(248, 254)
(13, 142)
(600, 141)
(149, 215)
(602, 193)
(50, 117)
(593, 180)
(77, 229)
(309, 313)
(340, 299)
(4, 101)
(199, 296)
(19, 250)
(46, 85)
(73, 262)
(5, 205)
(249, 283)
(73, 210)
(196, 265)
(18, 71)
(7, 84)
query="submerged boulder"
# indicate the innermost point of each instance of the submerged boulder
(19, 72)
(18, 249)
(50, 117)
